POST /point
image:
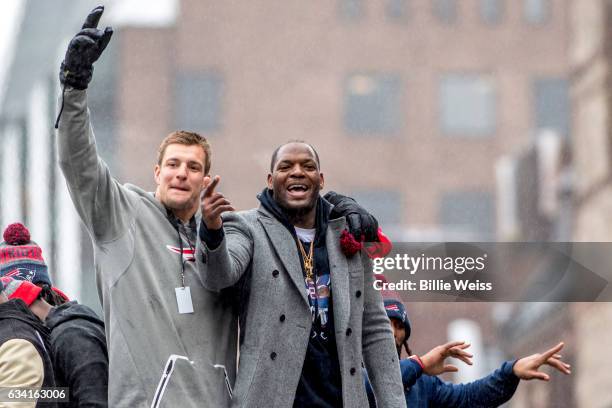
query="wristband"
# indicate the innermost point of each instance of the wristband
(418, 360)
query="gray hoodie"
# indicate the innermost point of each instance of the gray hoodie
(138, 267)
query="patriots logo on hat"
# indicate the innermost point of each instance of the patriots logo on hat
(21, 274)
(393, 307)
(188, 253)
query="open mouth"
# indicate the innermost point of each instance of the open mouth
(298, 190)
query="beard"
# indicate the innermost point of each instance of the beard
(297, 214)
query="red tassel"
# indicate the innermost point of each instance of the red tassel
(350, 246)
(16, 234)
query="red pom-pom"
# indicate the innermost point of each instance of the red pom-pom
(16, 234)
(349, 244)
(379, 249)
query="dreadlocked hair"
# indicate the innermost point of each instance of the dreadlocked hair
(407, 347)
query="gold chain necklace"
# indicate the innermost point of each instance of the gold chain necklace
(308, 265)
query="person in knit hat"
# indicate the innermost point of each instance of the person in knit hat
(24, 341)
(21, 289)
(396, 312)
(77, 338)
(424, 389)
(21, 258)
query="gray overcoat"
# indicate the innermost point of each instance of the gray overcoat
(278, 319)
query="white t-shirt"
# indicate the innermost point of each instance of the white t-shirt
(305, 234)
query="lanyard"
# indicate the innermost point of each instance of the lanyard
(176, 223)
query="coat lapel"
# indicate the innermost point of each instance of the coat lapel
(285, 247)
(339, 276)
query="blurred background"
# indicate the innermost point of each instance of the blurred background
(471, 120)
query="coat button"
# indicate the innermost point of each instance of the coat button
(353, 371)
(273, 356)
(348, 331)
(358, 293)
(275, 273)
(282, 318)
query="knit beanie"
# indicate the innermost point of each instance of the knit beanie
(396, 310)
(20, 257)
(20, 289)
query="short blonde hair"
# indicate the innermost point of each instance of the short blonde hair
(189, 139)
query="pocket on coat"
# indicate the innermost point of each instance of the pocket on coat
(186, 384)
(247, 367)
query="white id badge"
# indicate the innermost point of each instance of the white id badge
(183, 300)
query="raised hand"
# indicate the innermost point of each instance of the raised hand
(213, 205)
(434, 360)
(83, 50)
(527, 367)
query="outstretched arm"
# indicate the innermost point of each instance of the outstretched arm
(490, 391)
(498, 387)
(100, 201)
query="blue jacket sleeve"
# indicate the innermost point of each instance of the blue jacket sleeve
(411, 371)
(490, 391)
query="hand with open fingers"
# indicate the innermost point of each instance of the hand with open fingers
(214, 204)
(83, 50)
(434, 360)
(527, 367)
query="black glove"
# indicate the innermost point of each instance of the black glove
(361, 223)
(84, 49)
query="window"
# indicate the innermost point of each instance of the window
(552, 104)
(385, 205)
(536, 11)
(198, 101)
(396, 10)
(350, 9)
(445, 10)
(373, 104)
(491, 11)
(468, 211)
(468, 105)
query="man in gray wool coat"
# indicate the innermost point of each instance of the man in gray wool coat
(309, 314)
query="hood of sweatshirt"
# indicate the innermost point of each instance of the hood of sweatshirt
(71, 311)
